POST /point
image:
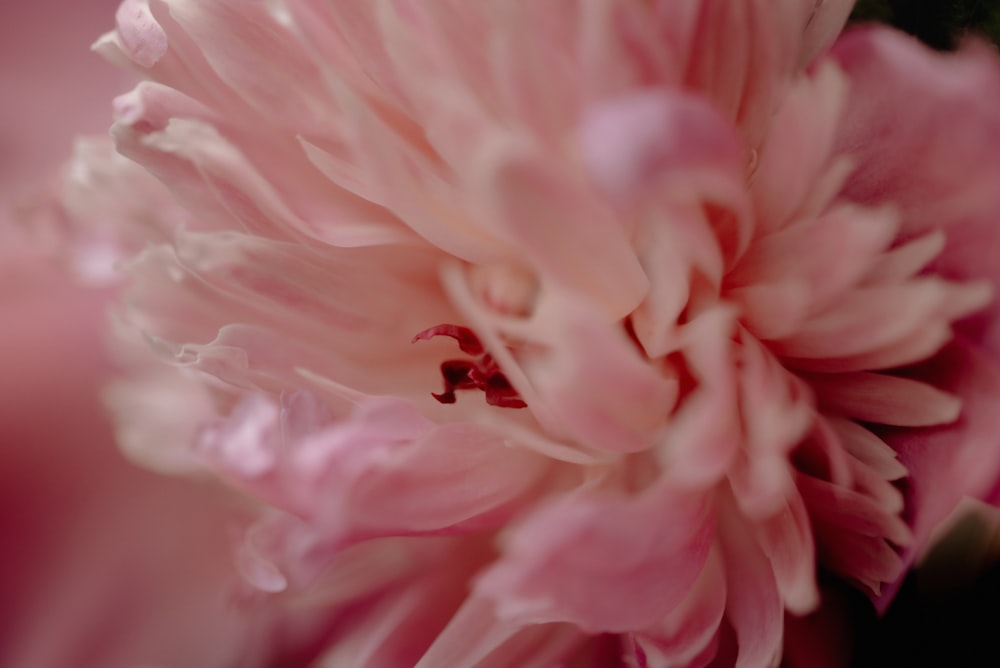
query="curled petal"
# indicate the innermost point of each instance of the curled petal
(595, 383)
(385, 470)
(143, 38)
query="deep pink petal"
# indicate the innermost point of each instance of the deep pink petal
(952, 461)
(936, 160)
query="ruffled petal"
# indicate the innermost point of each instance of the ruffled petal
(615, 545)
(373, 473)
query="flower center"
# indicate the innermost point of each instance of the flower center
(478, 372)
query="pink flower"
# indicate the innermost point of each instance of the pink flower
(553, 332)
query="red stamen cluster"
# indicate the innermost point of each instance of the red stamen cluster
(482, 373)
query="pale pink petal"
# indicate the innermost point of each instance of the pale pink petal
(597, 387)
(828, 254)
(140, 31)
(753, 603)
(146, 428)
(392, 623)
(681, 257)
(309, 203)
(906, 260)
(876, 318)
(661, 138)
(614, 544)
(702, 439)
(205, 171)
(471, 635)
(868, 448)
(884, 399)
(143, 39)
(373, 473)
(777, 414)
(411, 180)
(437, 42)
(561, 228)
(739, 55)
(690, 631)
(786, 539)
(807, 120)
(853, 531)
(236, 294)
(622, 49)
(269, 60)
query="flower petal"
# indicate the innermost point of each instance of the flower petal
(561, 228)
(617, 546)
(949, 462)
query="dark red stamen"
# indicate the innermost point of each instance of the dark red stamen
(467, 339)
(471, 374)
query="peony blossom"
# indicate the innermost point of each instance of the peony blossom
(574, 332)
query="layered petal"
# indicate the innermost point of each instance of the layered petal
(372, 473)
(613, 544)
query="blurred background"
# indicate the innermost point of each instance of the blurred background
(939, 23)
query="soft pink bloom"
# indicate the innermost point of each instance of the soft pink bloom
(553, 332)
